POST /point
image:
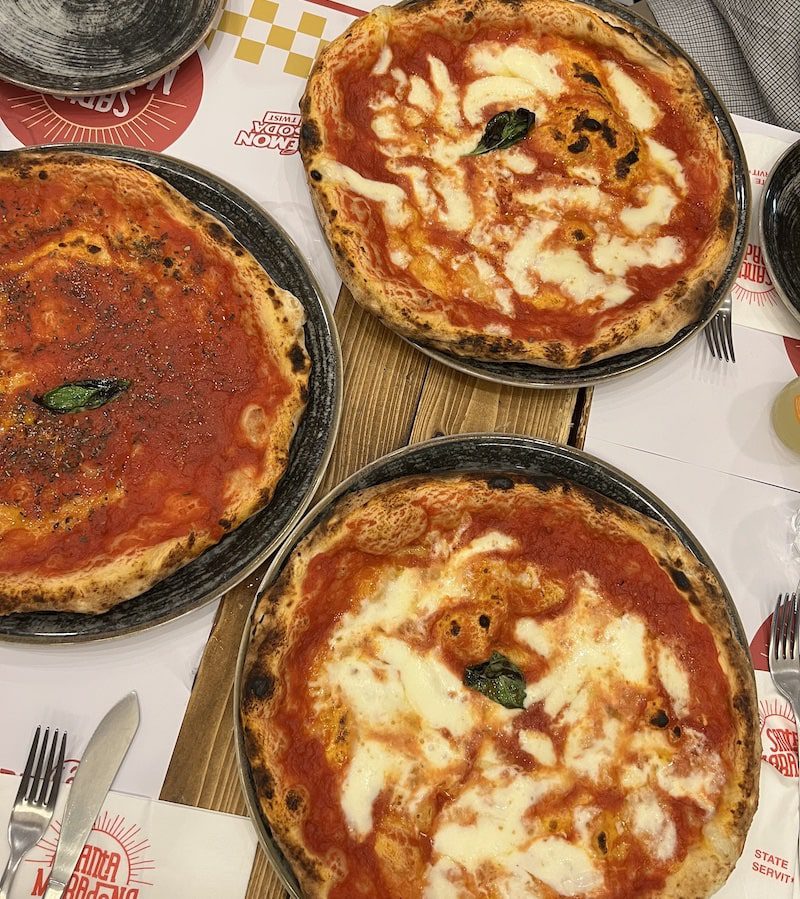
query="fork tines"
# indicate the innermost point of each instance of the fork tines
(783, 636)
(33, 786)
(719, 334)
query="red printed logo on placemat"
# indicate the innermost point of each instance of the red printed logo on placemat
(150, 117)
(113, 864)
(754, 285)
(779, 736)
(275, 131)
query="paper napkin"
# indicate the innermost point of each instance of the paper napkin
(142, 849)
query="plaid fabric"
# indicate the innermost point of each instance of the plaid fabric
(748, 49)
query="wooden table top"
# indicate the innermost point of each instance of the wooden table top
(393, 396)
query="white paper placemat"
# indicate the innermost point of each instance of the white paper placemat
(141, 849)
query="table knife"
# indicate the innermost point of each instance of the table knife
(96, 772)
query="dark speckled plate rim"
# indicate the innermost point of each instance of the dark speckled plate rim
(328, 335)
(106, 85)
(510, 454)
(520, 374)
(767, 231)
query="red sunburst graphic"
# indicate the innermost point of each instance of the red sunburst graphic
(116, 853)
(150, 117)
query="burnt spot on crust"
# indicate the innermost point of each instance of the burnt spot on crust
(455, 628)
(217, 232)
(293, 800)
(578, 146)
(167, 262)
(297, 357)
(623, 165)
(264, 783)
(225, 523)
(679, 579)
(585, 75)
(93, 248)
(469, 15)
(584, 122)
(557, 135)
(43, 175)
(260, 686)
(500, 483)
(191, 539)
(317, 176)
(608, 134)
(602, 842)
(578, 234)
(310, 138)
(333, 213)
(484, 621)
(727, 217)
(660, 719)
(555, 353)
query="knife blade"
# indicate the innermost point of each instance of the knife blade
(96, 771)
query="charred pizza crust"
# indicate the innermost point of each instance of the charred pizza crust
(417, 313)
(274, 321)
(386, 519)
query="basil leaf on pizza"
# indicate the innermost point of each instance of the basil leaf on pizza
(504, 130)
(499, 679)
(81, 396)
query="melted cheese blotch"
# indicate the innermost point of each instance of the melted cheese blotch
(372, 765)
(616, 256)
(675, 680)
(534, 634)
(667, 161)
(497, 90)
(390, 196)
(589, 754)
(564, 267)
(421, 95)
(538, 69)
(449, 113)
(640, 110)
(383, 61)
(457, 213)
(702, 783)
(565, 868)
(539, 745)
(586, 196)
(651, 823)
(656, 210)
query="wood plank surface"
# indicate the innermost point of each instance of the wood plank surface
(393, 395)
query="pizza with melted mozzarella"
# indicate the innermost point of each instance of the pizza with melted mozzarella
(151, 379)
(534, 181)
(468, 688)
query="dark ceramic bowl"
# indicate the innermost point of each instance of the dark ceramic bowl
(242, 551)
(485, 454)
(82, 47)
(780, 227)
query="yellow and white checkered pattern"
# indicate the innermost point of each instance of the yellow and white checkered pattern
(258, 30)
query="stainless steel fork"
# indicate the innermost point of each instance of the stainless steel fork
(784, 649)
(36, 799)
(719, 332)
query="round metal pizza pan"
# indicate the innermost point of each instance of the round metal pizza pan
(484, 454)
(73, 48)
(521, 374)
(242, 551)
(779, 224)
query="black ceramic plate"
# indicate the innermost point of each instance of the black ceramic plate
(520, 374)
(486, 454)
(780, 227)
(79, 47)
(239, 553)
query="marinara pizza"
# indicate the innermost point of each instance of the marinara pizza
(534, 181)
(151, 379)
(461, 687)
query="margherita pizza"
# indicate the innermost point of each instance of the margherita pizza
(534, 181)
(151, 379)
(467, 688)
